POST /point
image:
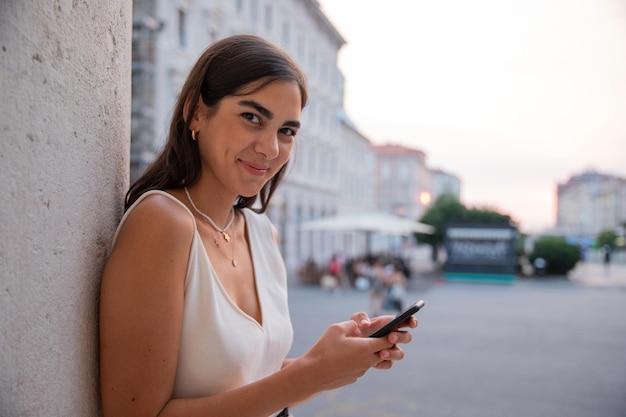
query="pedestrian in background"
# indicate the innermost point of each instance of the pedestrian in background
(396, 282)
(606, 250)
(378, 287)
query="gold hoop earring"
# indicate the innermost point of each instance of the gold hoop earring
(193, 135)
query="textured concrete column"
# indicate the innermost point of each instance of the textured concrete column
(65, 70)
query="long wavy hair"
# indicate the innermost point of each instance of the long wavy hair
(224, 69)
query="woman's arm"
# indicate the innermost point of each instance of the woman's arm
(141, 305)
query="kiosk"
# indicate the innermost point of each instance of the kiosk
(481, 252)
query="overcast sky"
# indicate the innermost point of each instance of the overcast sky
(512, 96)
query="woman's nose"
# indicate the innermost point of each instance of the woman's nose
(267, 145)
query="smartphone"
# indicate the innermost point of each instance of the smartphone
(398, 320)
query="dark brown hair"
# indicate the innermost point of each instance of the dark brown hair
(224, 69)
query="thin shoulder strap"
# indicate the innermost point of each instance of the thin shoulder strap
(144, 195)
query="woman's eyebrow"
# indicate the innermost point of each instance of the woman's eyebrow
(265, 112)
(258, 107)
(293, 123)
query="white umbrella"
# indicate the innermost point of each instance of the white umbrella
(375, 222)
(368, 222)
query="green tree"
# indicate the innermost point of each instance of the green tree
(486, 216)
(560, 256)
(446, 209)
(606, 237)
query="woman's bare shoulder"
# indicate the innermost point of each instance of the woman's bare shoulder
(164, 206)
(158, 219)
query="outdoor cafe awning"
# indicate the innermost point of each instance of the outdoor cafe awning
(370, 222)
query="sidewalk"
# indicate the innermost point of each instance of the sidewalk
(596, 274)
(591, 274)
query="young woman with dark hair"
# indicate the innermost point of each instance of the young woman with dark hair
(193, 313)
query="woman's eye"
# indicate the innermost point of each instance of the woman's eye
(252, 117)
(287, 131)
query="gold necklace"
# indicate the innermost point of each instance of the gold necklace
(232, 255)
(225, 235)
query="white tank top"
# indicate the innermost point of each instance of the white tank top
(222, 347)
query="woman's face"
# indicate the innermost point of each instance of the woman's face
(247, 138)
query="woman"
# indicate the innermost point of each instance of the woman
(193, 315)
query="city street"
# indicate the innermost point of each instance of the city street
(536, 348)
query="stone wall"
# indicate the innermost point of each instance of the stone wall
(65, 70)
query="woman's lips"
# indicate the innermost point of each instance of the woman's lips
(254, 169)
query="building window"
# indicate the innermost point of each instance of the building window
(313, 111)
(182, 28)
(268, 18)
(385, 170)
(404, 172)
(301, 50)
(254, 12)
(312, 64)
(324, 70)
(286, 34)
(311, 163)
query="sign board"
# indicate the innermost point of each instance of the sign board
(479, 252)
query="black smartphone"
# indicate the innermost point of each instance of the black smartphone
(398, 320)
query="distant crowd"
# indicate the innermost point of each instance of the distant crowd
(385, 276)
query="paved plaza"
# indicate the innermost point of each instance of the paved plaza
(536, 348)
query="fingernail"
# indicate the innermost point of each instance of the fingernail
(393, 338)
(364, 322)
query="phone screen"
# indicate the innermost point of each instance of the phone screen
(398, 320)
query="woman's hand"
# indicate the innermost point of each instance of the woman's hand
(345, 352)
(341, 356)
(368, 326)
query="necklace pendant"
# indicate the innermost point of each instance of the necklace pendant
(234, 263)
(226, 236)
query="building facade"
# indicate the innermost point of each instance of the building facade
(444, 183)
(589, 203)
(357, 179)
(403, 181)
(357, 170)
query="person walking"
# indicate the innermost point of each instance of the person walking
(396, 287)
